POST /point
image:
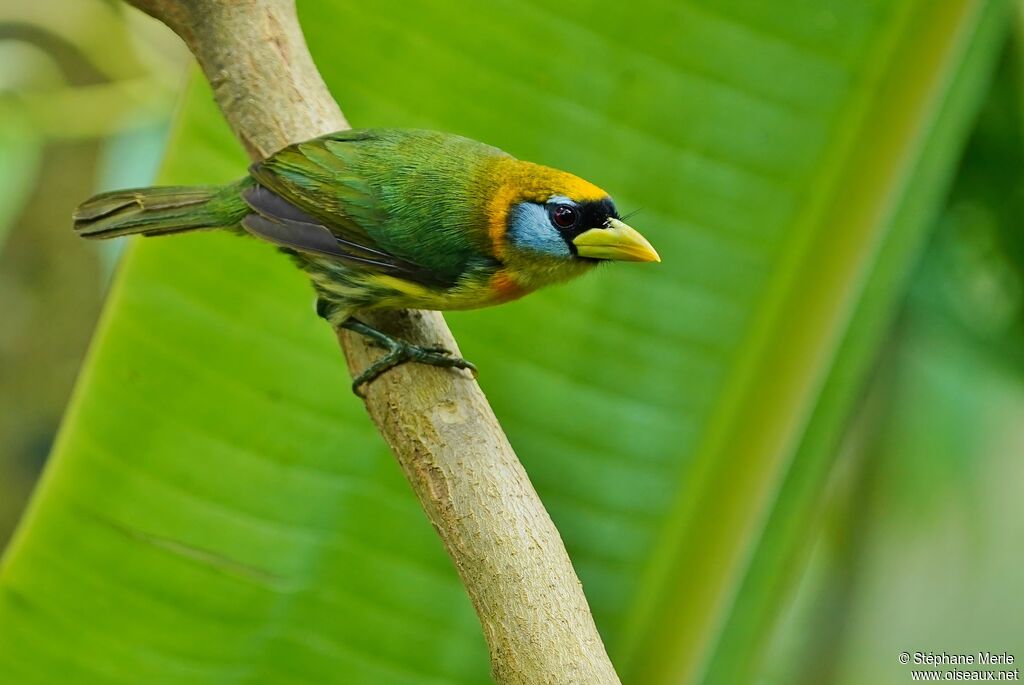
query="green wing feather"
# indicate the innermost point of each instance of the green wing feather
(278, 221)
(416, 195)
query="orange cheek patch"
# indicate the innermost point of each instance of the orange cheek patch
(497, 217)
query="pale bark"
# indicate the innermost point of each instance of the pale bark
(437, 422)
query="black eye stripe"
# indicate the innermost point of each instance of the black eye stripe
(595, 213)
(573, 219)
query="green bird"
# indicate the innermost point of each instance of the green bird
(396, 219)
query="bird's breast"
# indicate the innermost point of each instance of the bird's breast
(506, 288)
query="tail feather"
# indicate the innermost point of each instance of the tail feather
(159, 211)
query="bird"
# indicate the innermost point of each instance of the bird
(389, 218)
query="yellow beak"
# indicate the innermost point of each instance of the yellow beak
(617, 241)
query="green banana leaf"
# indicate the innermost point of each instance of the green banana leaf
(218, 509)
(791, 529)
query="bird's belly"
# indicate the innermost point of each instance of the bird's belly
(360, 290)
(470, 294)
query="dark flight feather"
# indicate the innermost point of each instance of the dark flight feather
(282, 223)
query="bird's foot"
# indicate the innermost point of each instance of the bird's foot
(399, 352)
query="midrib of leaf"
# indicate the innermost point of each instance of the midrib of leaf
(791, 530)
(760, 416)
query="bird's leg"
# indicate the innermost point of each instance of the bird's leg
(399, 352)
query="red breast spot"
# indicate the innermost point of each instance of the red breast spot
(505, 288)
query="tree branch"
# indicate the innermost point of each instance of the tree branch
(437, 422)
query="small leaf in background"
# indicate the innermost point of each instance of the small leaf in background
(20, 150)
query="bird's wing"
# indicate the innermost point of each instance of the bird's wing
(278, 221)
(310, 197)
(323, 177)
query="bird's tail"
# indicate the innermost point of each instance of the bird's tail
(159, 211)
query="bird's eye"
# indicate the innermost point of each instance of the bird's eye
(564, 216)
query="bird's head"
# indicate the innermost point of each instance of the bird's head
(550, 221)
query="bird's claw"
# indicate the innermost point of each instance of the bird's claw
(400, 352)
(437, 350)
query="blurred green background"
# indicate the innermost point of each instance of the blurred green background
(86, 96)
(913, 538)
